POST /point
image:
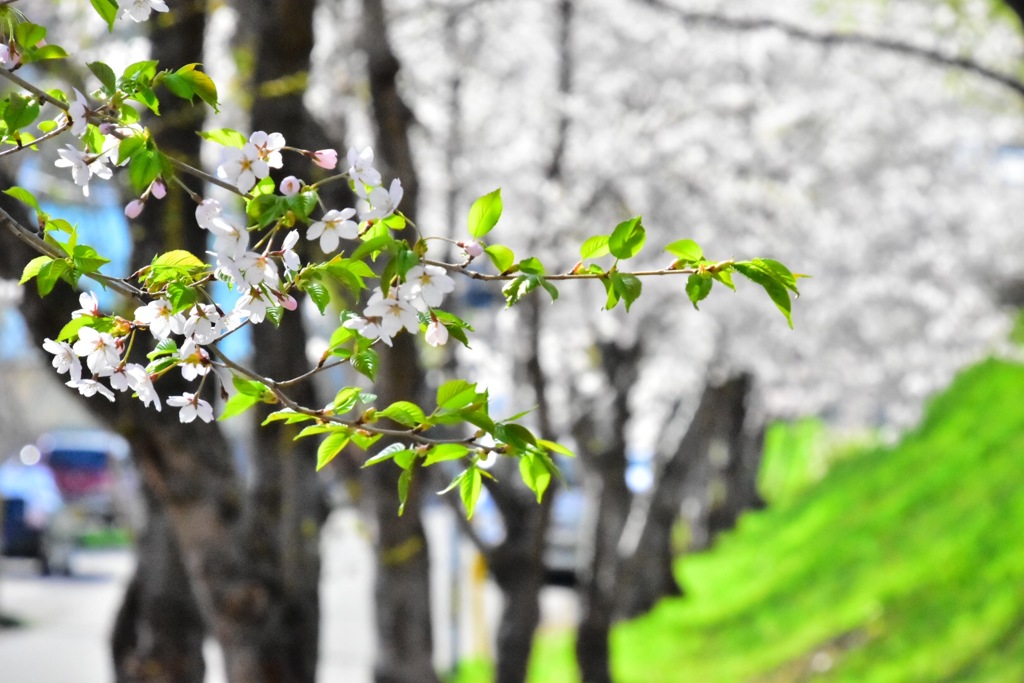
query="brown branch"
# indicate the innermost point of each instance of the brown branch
(748, 24)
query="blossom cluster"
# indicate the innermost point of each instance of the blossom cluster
(263, 274)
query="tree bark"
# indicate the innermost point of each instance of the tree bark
(403, 614)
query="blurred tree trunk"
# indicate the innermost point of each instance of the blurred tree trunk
(402, 589)
(159, 632)
(602, 453)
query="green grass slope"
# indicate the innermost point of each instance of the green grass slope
(904, 564)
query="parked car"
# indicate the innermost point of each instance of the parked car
(66, 487)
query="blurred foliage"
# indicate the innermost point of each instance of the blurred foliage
(902, 564)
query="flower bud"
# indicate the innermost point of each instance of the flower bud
(290, 186)
(472, 249)
(134, 208)
(158, 189)
(437, 333)
(325, 158)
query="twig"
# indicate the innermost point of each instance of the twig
(727, 23)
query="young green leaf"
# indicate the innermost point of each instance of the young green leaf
(444, 452)
(469, 490)
(686, 251)
(238, 404)
(484, 214)
(698, 286)
(105, 75)
(627, 239)
(533, 467)
(21, 194)
(107, 9)
(594, 247)
(455, 394)
(366, 363)
(224, 136)
(501, 256)
(404, 413)
(330, 447)
(32, 268)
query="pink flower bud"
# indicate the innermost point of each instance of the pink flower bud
(437, 333)
(158, 189)
(134, 208)
(325, 158)
(290, 186)
(472, 249)
(289, 302)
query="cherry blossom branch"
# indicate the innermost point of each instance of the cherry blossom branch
(46, 249)
(504, 277)
(287, 402)
(41, 94)
(52, 134)
(733, 23)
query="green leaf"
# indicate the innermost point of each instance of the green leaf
(32, 268)
(594, 247)
(445, 452)
(533, 467)
(20, 112)
(330, 447)
(698, 286)
(346, 399)
(141, 72)
(686, 251)
(627, 239)
(23, 195)
(515, 435)
(49, 273)
(238, 404)
(725, 277)
(40, 54)
(780, 272)
(319, 294)
(469, 490)
(386, 454)
(107, 9)
(364, 440)
(28, 35)
(404, 481)
(501, 256)
(105, 75)
(225, 136)
(373, 246)
(484, 214)
(187, 82)
(129, 146)
(70, 330)
(164, 347)
(768, 279)
(531, 266)
(86, 259)
(366, 363)
(405, 459)
(404, 413)
(146, 165)
(249, 387)
(455, 394)
(288, 416)
(556, 448)
(627, 286)
(178, 258)
(181, 296)
(264, 209)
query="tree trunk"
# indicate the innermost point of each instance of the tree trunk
(404, 631)
(603, 454)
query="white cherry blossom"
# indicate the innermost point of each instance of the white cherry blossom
(90, 387)
(381, 203)
(269, 146)
(243, 167)
(90, 306)
(78, 112)
(142, 384)
(83, 166)
(139, 10)
(370, 329)
(159, 316)
(64, 358)
(203, 323)
(289, 256)
(393, 311)
(195, 361)
(361, 168)
(99, 348)
(429, 283)
(191, 407)
(332, 228)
